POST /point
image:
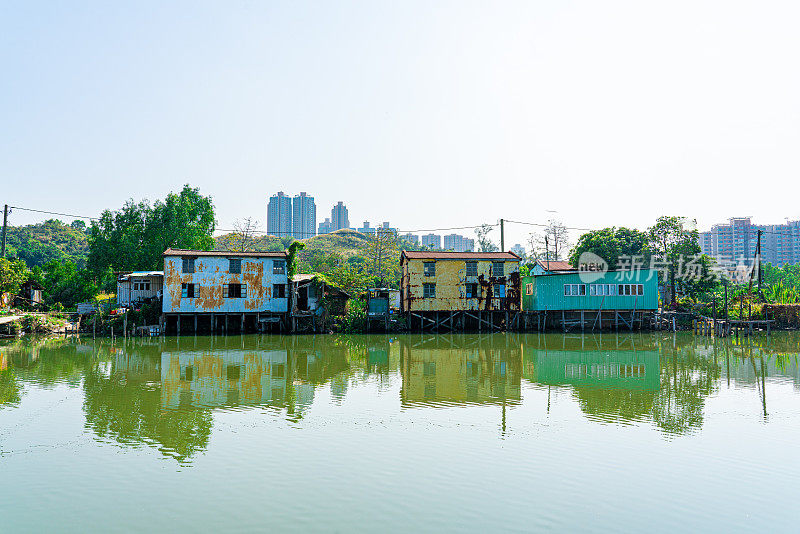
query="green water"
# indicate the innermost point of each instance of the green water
(631, 433)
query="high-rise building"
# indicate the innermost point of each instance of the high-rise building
(410, 238)
(432, 240)
(519, 250)
(458, 243)
(339, 217)
(325, 227)
(279, 215)
(366, 229)
(737, 240)
(304, 216)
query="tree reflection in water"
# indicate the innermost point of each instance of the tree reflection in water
(163, 393)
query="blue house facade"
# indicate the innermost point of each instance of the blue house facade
(585, 291)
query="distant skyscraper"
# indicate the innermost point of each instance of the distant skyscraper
(432, 240)
(736, 241)
(339, 217)
(304, 216)
(366, 229)
(458, 243)
(279, 215)
(325, 227)
(410, 238)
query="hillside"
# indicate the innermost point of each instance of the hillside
(40, 243)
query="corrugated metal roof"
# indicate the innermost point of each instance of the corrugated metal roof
(556, 265)
(125, 275)
(623, 272)
(442, 255)
(223, 253)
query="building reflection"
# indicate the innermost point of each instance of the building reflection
(460, 369)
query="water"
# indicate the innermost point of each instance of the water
(498, 432)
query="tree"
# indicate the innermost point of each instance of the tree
(382, 255)
(611, 244)
(78, 224)
(13, 273)
(243, 236)
(675, 245)
(551, 243)
(485, 244)
(64, 283)
(134, 237)
(348, 278)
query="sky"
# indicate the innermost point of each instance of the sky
(427, 114)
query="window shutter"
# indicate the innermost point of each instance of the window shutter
(244, 291)
(224, 291)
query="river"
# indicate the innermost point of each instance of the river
(499, 432)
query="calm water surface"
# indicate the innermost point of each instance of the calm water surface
(644, 432)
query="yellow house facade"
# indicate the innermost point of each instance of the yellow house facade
(434, 281)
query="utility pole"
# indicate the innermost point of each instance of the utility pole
(756, 265)
(760, 277)
(502, 237)
(546, 254)
(5, 230)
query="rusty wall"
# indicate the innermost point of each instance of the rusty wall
(217, 379)
(459, 375)
(211, 273)
(451, 284)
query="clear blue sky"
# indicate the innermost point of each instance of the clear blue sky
(426, 114)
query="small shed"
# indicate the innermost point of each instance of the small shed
(134, 287)
(308, 292)
(30, 293)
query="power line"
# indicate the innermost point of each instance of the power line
(542, 225)
(55, 213)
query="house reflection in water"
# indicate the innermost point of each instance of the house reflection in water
(612, 380)
(281, 376)
(460, 369)
(228, 378)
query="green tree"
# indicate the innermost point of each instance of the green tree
(134, 237)
(382, 254)
(12, 274)
(348, 278)
(65, 283)
(675, 245)
(611, 244)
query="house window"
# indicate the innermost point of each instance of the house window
(574, 290)
(234, 291)
(499, 290)
(279, 291)
(235, 265)
(188, 373)
(428, 291)
(278, 267)
(187, 291)
(472, 268)
(234, 372)
(640, 288)
(529, 289)
(472, 291)
(498, 268)
(430, 268)
(188, 265)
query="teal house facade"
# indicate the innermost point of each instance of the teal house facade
(586, 291)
